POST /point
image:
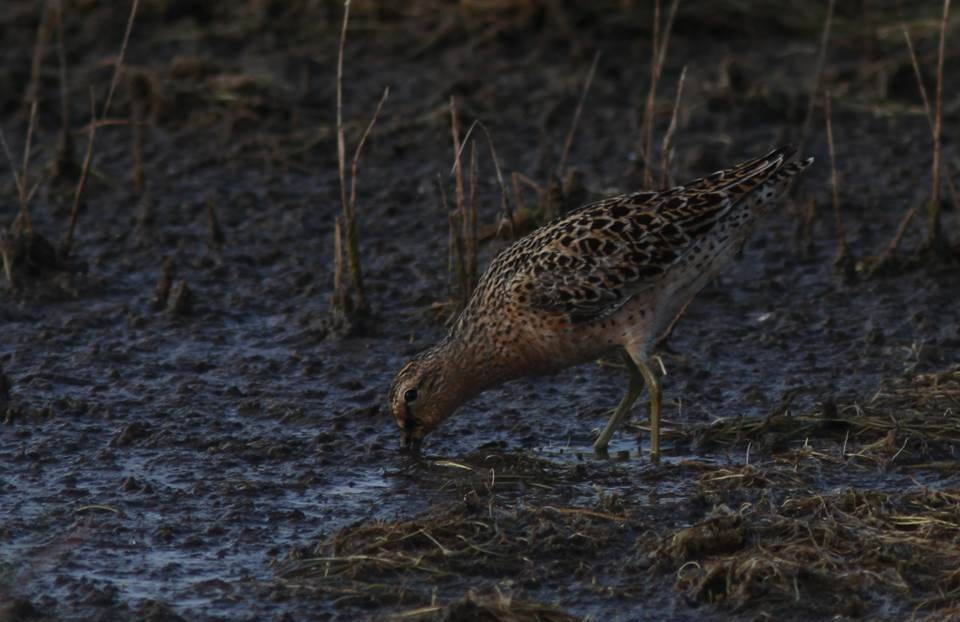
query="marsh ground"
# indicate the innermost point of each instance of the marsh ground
(231, 458)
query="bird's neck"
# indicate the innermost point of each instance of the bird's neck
(474, 364)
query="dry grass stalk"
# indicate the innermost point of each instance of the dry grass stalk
(44, 30)
(886, 258)
(456, 268)
(161, 292)
(459, 219)
(666, 148)
(213, 224)
(470, 222)
(656, 69)
(505, 205)
(339, 302)
(817, 83)
(457, 165)
(935, 238)
(137, 109)
(822, 552)
(20, 179)
(929, 114)
(67, 244)
(17, 243)
(568, 141)
(349, 200)
(64, 159)
(835, 186)
(902, 228)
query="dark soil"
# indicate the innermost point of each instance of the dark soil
(187, 435)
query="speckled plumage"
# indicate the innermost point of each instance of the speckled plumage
(611, 273)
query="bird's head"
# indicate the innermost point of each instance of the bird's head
(424, 393)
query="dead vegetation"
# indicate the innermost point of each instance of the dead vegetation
(908, 422)
(770, 534)
(348, 305)
(486, 542)
(828, 554)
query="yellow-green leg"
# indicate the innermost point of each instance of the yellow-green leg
(653, 388)
(620, 412)
(640, 375)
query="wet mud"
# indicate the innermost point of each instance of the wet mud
(187, 435)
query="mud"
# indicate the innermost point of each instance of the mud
(185, 435)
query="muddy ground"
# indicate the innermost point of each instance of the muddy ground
(226, 453)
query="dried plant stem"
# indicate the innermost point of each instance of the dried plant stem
(64, 158)
(666, 148)
(123, 53)
(44, 28)
(918, 75)
(24, 192)
(88, 156)
(455, 264)
(817, 83)
(355, 163)
(137, 176)
(341, 141)
(505, 204)
(911, 214)
(457, 163)
(898, 238)
(656, 63)
(955, 197)
(504, 196)
(934, 235)
(457, 218)
(835, 185)
(348, 200)
(568, 141)
(470, 222)
(82, 181)
(339, 302)
(353, 241)
(463, 220)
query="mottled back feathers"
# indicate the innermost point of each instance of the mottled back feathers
(587, 264)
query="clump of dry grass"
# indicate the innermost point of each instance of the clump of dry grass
(826, 553)
(427, 561)
(910, 423)
(402, 562)
(489, 608)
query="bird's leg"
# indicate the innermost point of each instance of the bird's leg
(653, 388)
(633, 391)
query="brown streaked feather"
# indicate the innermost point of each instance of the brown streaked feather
(587, 264)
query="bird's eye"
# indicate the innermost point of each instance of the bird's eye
(410, 395)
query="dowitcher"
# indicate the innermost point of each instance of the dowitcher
(611, 274)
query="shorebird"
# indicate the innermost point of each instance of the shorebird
(611, 274)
